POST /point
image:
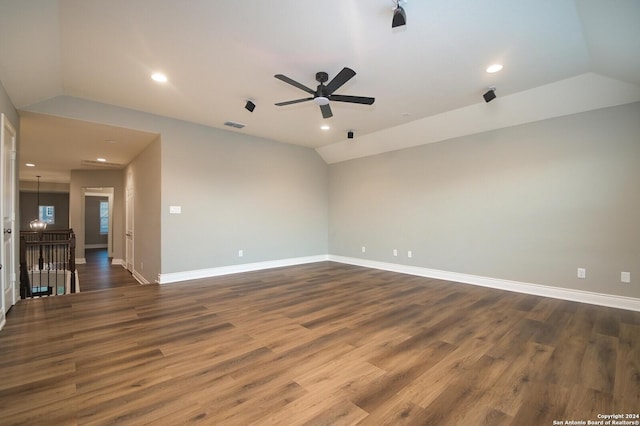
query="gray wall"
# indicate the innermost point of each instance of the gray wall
(239, 192)
(92, 235)
(236, 191)
(29, 208)
(143, 176)
(530, 203)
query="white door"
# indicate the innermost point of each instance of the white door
(129, 230)
(7, 212)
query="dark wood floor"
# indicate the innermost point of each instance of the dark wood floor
(99, 273)
(323, 343)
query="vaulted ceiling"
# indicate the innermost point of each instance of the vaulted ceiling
(218, 54)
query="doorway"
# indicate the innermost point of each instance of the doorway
(98, 219)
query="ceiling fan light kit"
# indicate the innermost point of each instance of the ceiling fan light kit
(324, 94)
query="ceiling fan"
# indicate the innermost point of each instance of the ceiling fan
(323, 94)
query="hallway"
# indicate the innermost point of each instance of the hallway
(99, 274)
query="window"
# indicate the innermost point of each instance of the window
(104, 217)
(47, 214)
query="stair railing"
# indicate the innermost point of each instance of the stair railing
(47, 263)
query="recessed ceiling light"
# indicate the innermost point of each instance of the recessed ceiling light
(159, 77)
(494, 68)
(102, 160)
(29, 164)
(325, 127)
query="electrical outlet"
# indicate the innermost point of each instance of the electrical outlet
(409, 254)
(582, 273)
(625, 277)
(364, 249)
(240, 253)
(395, 252)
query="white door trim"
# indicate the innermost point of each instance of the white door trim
(129, 235)
(8, 281)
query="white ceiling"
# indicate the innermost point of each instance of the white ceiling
(217, 54)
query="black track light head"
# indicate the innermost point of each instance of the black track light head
(490, 95)
(250, 106)
(399, 16)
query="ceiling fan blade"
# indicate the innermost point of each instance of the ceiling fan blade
(294, 83)
(296, 101)
(326, 111)
(353, 99)
(343, 76)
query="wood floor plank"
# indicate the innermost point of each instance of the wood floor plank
(341, 413)
(338, 375)
(268, 396)
(511, 389)
(464, 391)
(321, 343)
(599, 363)
(485, 416)
(587, 403)
(626, 391)
(450, 369)
(546, 402)
(395, 411)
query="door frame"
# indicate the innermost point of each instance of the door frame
(100, 192)
(129, 241)
(8, 144)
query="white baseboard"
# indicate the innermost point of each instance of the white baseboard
(613, 301)
(235, 269)
(139, 278)
(117, 262)
(81, 260)
(592, 298)
(95, 246)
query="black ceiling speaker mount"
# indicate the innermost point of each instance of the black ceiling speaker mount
(250, 106)
(490, 95)
(399, 16)
(325, 93)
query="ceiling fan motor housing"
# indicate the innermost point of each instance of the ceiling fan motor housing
(322, 77)
(321, 93)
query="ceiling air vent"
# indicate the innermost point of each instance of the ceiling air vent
(101, 164)
(234, 124)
